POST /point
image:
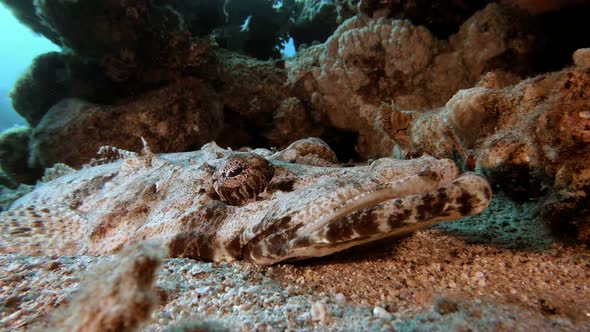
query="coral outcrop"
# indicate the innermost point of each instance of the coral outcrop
(179, 117)
(134, 40)
(252, 88)
(527, 138)
(370, 61)
(54, 76)
(40, 87)
(25, 12)
(235, 103)
(333, 90)
(443, 18)
(292, 119)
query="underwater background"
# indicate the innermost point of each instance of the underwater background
(21, 46)
(183, 121)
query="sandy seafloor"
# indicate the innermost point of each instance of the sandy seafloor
(494, 272)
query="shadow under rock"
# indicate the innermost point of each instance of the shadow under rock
(375, 251)
(505, 224)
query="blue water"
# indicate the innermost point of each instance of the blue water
(19, 46)
(288, 48)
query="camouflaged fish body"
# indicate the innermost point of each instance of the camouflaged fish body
(217, 204)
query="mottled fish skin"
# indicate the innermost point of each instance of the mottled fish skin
(217, 204)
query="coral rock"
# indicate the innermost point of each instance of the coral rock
(441, 17)
(527, 138)
(175, 118)
(582, 57)
(40, 87)
(370, 61)
(54, 76)
(292, 120)
(128, 39)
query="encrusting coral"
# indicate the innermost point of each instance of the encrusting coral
(370, 61)
(527, 138)
(53, 76)
(178, 117)
(443, 18)
(39, 87)
(136, 40)
(339, 85)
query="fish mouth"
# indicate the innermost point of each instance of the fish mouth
(305, 227)
(428, 179)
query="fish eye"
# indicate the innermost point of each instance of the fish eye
(233, 171)
(241, 178)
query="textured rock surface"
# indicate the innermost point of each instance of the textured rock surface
(54, 76)
(292, 119)
(340, 84)
(443, 18)
(368, 62)
(179, 117)
(135, 40)
(36, 91)
(252, 88)
(527, 138)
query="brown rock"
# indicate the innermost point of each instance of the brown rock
(371, 61)
(528, 138)
(179, 117)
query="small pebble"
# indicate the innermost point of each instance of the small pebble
(339, 298)
(381, 313)
(319, 312)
